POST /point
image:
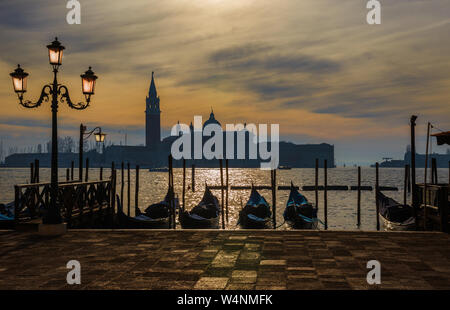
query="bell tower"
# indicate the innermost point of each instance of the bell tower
(152, 117)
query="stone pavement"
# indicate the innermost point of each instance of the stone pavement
(225, 260)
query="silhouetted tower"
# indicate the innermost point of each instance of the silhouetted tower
(152, 117)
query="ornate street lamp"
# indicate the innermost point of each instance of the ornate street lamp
(84, 135)
(56, 91)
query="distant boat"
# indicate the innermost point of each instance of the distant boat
(395, 216)
(299, 213)
(162, 169)
(256, 212)
(284, 168)
(203, 215)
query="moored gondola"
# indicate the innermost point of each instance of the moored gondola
(299, 213)
(394, 215)
(156, 217)
(256, 213)
(203, 215)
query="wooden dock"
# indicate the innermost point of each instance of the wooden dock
(219, 260)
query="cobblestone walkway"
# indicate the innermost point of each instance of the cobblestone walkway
(225, 260)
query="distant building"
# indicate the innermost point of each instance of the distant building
(155, 152)
(152, 118)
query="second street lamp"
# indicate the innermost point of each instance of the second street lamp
(56, 91)
(99, 138)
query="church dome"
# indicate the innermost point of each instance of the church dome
(211, 120)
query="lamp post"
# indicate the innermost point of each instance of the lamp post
(99, 138)
(55, 90)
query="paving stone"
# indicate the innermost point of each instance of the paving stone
(225, 260)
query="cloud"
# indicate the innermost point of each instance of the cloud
(281, 61)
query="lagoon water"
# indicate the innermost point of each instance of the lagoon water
(341, 204)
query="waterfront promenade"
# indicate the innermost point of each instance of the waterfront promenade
(225, 259)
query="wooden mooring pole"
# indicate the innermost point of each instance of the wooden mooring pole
(227, 188)
(184, 184)
(377, 185)
(316, 179)
(136, 193)
(172, 200)
(72, 167)
(36, 170)
(101, 173)
(31, 172)
(122, 183)
(128, 189)
(274, 197)
(434, 176)
(222, 193)
(359, 197)
(405, 185)
(87, 170)
(67, 174)
(193, 178)
(325, 198)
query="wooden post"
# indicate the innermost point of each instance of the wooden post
(443, 208)
(31, 173)
(172, 200)
(405, 185)
(101, 173)
(424, 195)
(413, 164)
(193, 178)
(377, 185)
(325, 198)
(226, 185)
(409, 179)
(136, 194)
(72, 167)
(113, 193)
(87, 169)
(67, 174)
(222, 193)
(274, 198)
(122, 183)
(434, 179)
(317, 183)
(359, 196)
(128, 189)
(184, 184)
(36, 170)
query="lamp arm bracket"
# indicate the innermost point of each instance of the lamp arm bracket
(65, 97)
(44, 97)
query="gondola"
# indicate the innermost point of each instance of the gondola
(7, 211)
(395, 216)
(256, 212)
(299, 213)
(204, 215)
(157, 217)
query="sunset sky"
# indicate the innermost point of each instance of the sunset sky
(313, 66)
